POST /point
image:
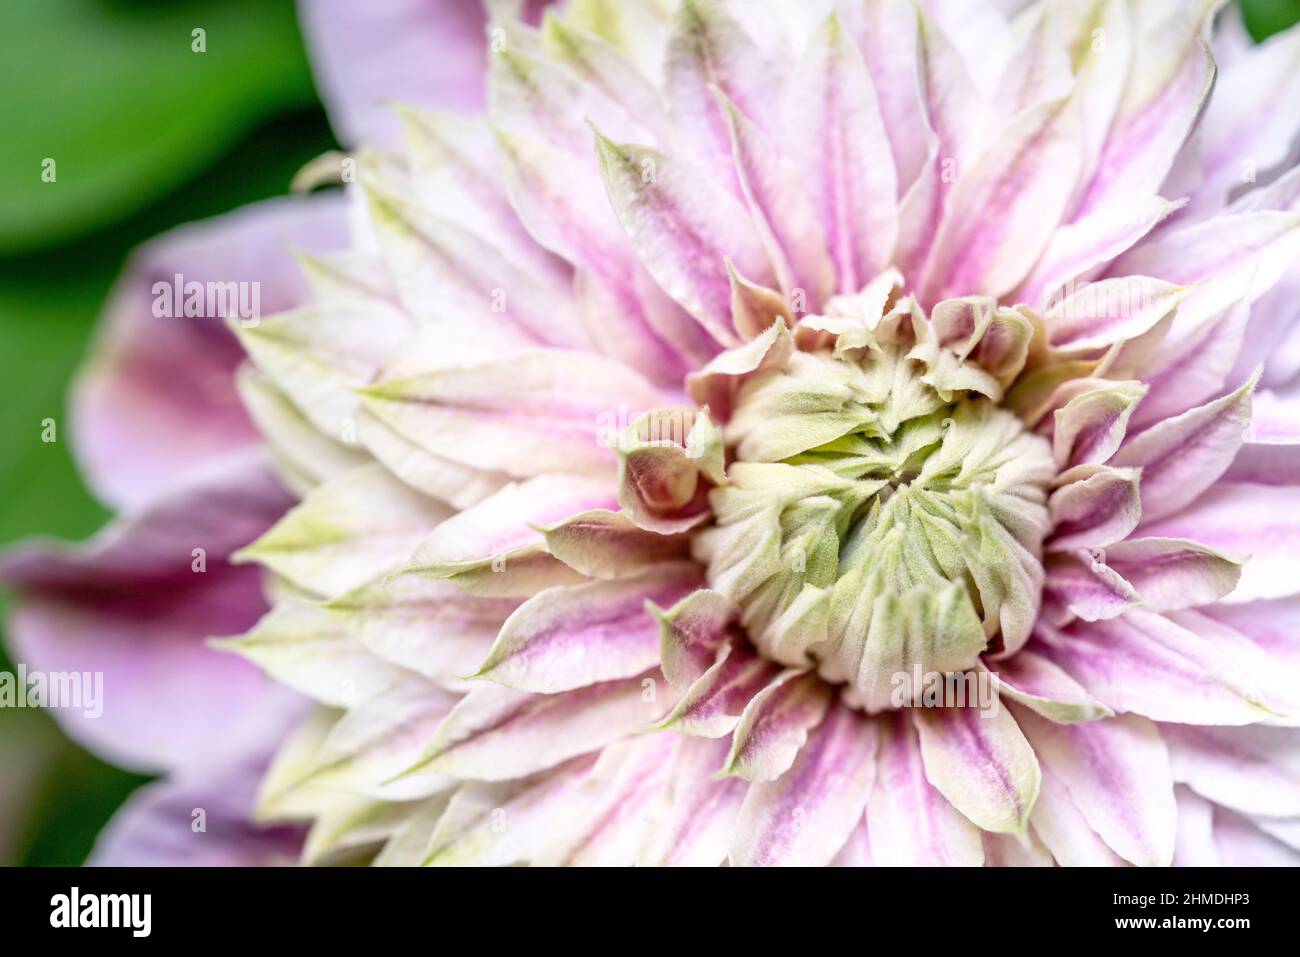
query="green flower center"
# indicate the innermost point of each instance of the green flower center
(871, 522)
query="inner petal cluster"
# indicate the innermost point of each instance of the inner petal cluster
(876, 521)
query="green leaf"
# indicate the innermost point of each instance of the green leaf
(115, 94)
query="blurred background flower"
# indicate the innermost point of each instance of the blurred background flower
(157, 113)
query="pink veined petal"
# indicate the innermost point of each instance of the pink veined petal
(1170, 75)
(1087, 586)
(885, 32)
(156, 825)
(158, 395)
(1270, 625)
(710, 50)
(712, 705)
(856, 851)
(568, 213)
(1091, 426)
(508, 519)
(1258, 523)
(1033, 681)
(367, 56)
(1186, 371)
(1117, 773)
(835, 134)
(1079, 248)
(1234, 257)
(1093, 314)
(805, 816)
(1005, 206)
(1255, 770)
(980, 761)
(1061, 826)
(1245, 135)
(137, 604)
(783, 213)
(1242, 843)
(573, 636)
(691, 633)
(1183, 456)
(497, 733)
(698, 814)
(542, 410)
(684, 229)
(952, 108)
(1145, 663)
(910, 823)
(1271, 452)
(1171, 573)
(775, 725)
(1098, 510)
(1195, 845)
(603, 544)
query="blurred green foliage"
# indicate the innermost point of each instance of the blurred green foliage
(146, 133)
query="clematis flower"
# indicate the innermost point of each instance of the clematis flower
(749, 366)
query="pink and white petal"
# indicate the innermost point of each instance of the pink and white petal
(605, 544)
(1091, 426)
(1258, 522)
(1057, 822)
(1243, 134)
(783, 213)
(573, 636)
(856, 851)
(1271, 452)
(1271, 625)
(1183, 456)
(775, 725)
(684, 228)
(425, 625)
(1168, 82)
(1015, 850)
(1087, 586)
(496, 733)
(157, 397)
(364, 57)
(1235, 257)
(1091, 315)
(805, 816)
(1098, 510)
(1033, 681)
(1195, 845)
(980, 761)
(1117, 774)
(1242, 844)
(712, 705)
(1040, 153)
(698, 812)
(533, 412)
(709, 49)
(909, 822)
(837, 140)
(1080, 248)
(1170, 573)
(1254, 770)
(1145, 663)
(568, 213)
(156, 825)
(886, 35)
(136, 604)
(691, 633)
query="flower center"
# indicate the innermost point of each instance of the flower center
(873, 522)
